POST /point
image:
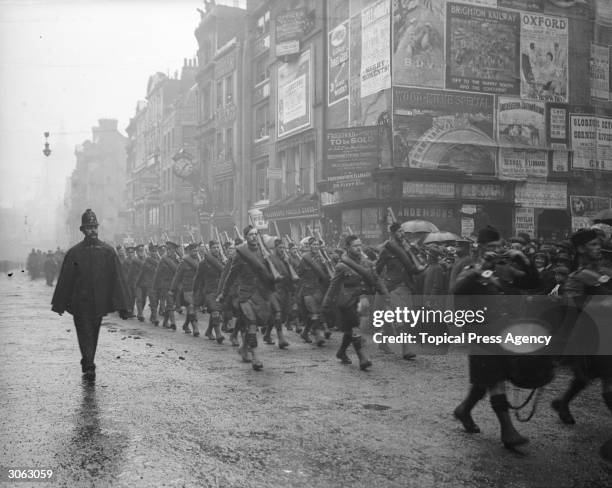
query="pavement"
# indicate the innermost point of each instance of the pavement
(171, 410)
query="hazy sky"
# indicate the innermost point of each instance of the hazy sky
(66, 64)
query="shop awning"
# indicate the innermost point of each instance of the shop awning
(304, 206)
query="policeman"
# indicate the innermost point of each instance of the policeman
(90, 285)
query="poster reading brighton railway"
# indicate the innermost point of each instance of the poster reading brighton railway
(544, 57)
(418, 43)
(520, 122)
(482, 46)
(440, 129)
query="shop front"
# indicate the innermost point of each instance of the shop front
(294, 215)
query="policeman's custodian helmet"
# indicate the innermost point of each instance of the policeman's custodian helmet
(89, 218)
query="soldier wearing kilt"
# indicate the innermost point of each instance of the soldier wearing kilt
(162, 281)
(205, 287)
(314, 280)
(255, 287)
(581, 290)
(231, 302)
(133, 274)
(492, 276)
(354, 279)
(181, 287)
(144, 285)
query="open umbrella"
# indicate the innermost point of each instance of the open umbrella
(441, 237)
(413, 226)
(603, 216)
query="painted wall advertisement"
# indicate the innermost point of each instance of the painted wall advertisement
(482, 46)
(544, 57)
(541, 195)
(440, 129)
(599, 66)
(524, 221)
(375, 55)
(521, 122)
(584, 208)
(294, 95)
(591, 142)
(338, 63)
(520, 165)
(418, 43)
(290, 27)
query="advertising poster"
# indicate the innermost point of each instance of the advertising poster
(350, 151)
(418, 43)
(557, 122)
(600, 71)
(338, 63)
(544, 57)
(482, 46)
(440, 129)
(524, 221)
(541, 195)
(520, 122)
(584, 208)
(290, 27)
(591, 142)
(375, 55)
(560, 161)
(294, 95)
(520, 164)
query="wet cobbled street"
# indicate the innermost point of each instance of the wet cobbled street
(168, 409)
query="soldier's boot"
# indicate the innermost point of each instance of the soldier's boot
(243, 350)
(463, 412)
(209, 330)
(172, 320)
(165, 322)
(267, 337)
(317, 328)
(194, 325)
(215, 323)
(234, 337)
(186, 324)
(305, 335)
(251, 342)
(282, 340)
(561, 405)
(509, 435)
(347, 339)
(364, 361)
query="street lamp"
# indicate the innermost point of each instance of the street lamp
(46, 150)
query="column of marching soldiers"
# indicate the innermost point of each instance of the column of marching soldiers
(257, 285)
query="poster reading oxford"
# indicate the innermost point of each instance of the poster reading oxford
(482, 49)
(544, 57)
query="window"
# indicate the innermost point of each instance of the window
(229, 89)
(261, 181)
(219, 93)
(262, 70)
(261, 122)
(220, 146)
(229, 143)
(263, 24)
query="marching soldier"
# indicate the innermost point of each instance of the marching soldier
(399, 267)
(162, 281)
(492, 276)
(314, 280)
(281, 298)
(255, 287)
(231, 301)
(181, 287)
(50, 267)
(205, 286)
(580, 289)
(144, 285)
(133, 266)
(354, 279)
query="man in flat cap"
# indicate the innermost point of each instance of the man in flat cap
(90, 285)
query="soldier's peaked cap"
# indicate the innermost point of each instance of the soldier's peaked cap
(583, 236)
